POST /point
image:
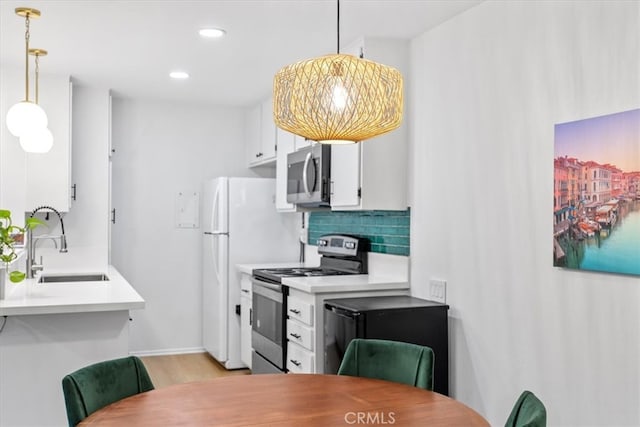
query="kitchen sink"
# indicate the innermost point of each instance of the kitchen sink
(75, 277)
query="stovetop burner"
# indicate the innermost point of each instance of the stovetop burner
(341, 255)
(299, 272)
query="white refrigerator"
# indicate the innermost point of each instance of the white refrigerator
(240, 226)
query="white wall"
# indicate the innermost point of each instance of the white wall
(489, 86)
(161, 149)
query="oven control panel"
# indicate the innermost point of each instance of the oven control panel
(338, 244)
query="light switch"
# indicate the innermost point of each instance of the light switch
(438, 290)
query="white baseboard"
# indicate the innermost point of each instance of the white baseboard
(168, 351)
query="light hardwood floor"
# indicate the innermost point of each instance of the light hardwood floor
(182, 368)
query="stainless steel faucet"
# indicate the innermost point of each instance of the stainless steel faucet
(32, 267)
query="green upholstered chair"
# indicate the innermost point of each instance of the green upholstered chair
(395, 361)
(95, 386)
(528, 411)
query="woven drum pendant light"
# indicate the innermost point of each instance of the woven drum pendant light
(338, 99)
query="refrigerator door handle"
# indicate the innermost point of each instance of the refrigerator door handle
(215, 217)
(216, 233)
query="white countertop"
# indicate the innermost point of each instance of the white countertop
(29, 297)
(326, 284)
(344, 283)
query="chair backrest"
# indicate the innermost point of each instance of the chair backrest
(395, 361)
(528, 411)
(95, 386)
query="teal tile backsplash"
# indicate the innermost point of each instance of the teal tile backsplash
(388, 231)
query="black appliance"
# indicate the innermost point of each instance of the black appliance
(309, 176)
(341, 254)
(397, 318)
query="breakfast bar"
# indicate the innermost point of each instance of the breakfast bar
(50, 329)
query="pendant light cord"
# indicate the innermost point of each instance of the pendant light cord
(26, 67)
(338, 25)
(37, 74)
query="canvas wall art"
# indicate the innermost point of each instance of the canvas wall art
(596, 200)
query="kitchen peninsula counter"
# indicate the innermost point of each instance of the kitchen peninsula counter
(30, 297)
(48, 330)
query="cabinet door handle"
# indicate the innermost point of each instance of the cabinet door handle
(246, 291)
(295, 362)
(294, 311)
(113, 216)
(250, 316)
(73, 195)
(296, 336)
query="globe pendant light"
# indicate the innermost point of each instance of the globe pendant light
(26, 114)
(338, 99)
(37, 139)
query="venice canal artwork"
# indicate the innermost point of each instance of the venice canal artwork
(597, 194)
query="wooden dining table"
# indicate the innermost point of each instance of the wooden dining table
(287, 400)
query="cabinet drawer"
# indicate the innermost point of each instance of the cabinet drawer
(299, 360)
(300, 310)
(300, 334)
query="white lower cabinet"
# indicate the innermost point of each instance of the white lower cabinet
(305, 326)
(300, 334)
(299, 359)
(299, 309)
(246, 308)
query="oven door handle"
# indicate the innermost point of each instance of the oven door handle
(268, 290)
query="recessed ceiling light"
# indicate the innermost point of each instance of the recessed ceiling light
(179, 75)
(212, 33)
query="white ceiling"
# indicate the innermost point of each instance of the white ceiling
(131, 46)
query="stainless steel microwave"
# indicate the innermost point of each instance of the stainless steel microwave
(309, 176)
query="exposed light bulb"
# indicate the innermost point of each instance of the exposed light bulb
(24, 116)
(339, 96)
(36, 140)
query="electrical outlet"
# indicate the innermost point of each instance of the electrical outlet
(438, 290)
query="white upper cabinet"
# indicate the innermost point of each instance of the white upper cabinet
(31, 180)
(372, 174)
(49, 174)
(261, 134)
(286, 144)
(268, 129)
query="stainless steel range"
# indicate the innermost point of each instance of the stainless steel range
(340, 255)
